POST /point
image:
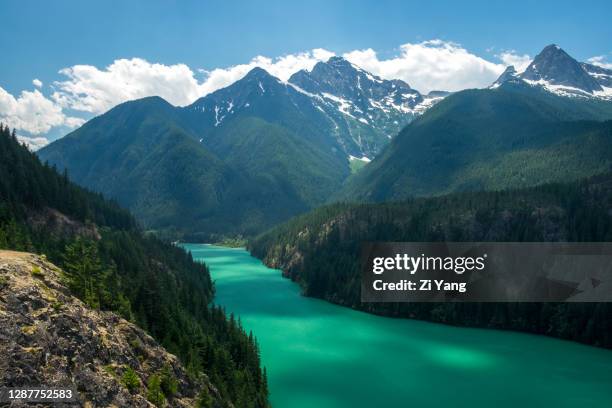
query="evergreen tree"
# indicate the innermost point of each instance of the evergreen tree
(154, 391)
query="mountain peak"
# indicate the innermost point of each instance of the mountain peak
(258, 73)
(553, 66)
(334, 63)
(337, 60)
(510, 70)
(361, 99)
(553, 51)
(508, 74)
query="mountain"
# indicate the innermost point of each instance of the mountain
(141, 154)
(509, 74)
(265, 127)
(202, 168)
(240, 159)
(336, 104)
(111, 266)
(510, 135)
(554, 70)
(42, 326)
(321, 250)
(369, 109)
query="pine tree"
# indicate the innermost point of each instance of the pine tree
(154, 391)
(86, 275)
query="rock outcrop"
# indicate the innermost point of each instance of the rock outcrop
(48, 338)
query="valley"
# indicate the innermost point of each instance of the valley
(321, 250)
(320, 354)
(242, 163)
(289, 177)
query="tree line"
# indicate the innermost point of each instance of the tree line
(327, 243)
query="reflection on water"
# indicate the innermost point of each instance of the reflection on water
(321, 355)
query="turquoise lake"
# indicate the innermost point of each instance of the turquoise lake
(325, 356)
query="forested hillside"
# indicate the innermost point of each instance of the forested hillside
(320, 250)
(111, 265)
(512, 136)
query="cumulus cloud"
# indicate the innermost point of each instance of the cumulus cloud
(281, 67)
(32, 112)
(520, 62)
(427, 65)
(90, 89)
(87, 89)
(431, 65)
(33, 143)
(600, 61)
(93, 90)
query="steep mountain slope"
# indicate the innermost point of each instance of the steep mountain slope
(321, 250)
(138, 154)
(110, 264)
(42, 327)
(512, 135)
(264, 125)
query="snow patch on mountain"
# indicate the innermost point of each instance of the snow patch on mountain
(561, 90)
(363, 158)
(606, 93)
(343, 104)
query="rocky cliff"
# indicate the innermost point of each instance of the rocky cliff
(49, 338)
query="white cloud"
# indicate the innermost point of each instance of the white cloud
(281, 67)
(90, 89)
(94, 90)
(32, 112)
(33, 143)
(426, 66)
(431, 65)
(600, 61)
(520, 62)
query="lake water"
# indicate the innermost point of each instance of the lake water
(321, 355)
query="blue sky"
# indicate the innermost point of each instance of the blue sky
(39, 38)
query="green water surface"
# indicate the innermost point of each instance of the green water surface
(319, 355)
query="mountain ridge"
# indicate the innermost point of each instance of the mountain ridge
(511, 136)
(245, 157)
(236, 161)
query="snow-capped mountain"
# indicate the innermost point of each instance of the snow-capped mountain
(362, 103)
(244, 157)
(556, 71)
(337, 103)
